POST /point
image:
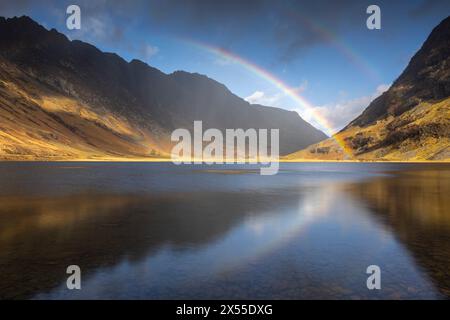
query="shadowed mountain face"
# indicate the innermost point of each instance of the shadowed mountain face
(410, 121)
(427, 78)
(66, 99)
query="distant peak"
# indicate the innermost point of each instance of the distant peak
(441, 32)
(444, 22)
(22, 25)
(138, 62)
(22, 20)
(188, 77)
(184, 74)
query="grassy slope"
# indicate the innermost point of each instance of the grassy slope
(38, 124)
(422, 133)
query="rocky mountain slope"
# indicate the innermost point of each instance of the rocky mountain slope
(410, 121)
(62, 99)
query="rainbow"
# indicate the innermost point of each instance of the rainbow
(292, 93)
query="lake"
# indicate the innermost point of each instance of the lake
(160, 231)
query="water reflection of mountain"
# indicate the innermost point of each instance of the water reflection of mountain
(40, 237)
(416, 206)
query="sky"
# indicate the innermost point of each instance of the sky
(314, 57)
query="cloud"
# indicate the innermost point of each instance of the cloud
(149, 51)
(286, 25)
(260, 97)
(339, 114)
(224, 61)
(94, 28)
(18, 7)
(301, 88)
(427, 7)
(274, 100)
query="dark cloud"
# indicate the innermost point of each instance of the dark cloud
(8, 8)
(426, 7)
(288, 26)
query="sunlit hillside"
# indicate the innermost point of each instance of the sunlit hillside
(422, 133)
(36, 123)
(410, 121)
(67, 100)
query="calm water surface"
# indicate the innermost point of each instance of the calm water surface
(158, 231)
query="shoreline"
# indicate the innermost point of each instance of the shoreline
(164, 160)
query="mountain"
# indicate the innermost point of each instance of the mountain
(410, 121)
(62, 99)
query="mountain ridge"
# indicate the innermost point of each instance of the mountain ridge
(416, 79)
(410, 121)
(101, 106)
